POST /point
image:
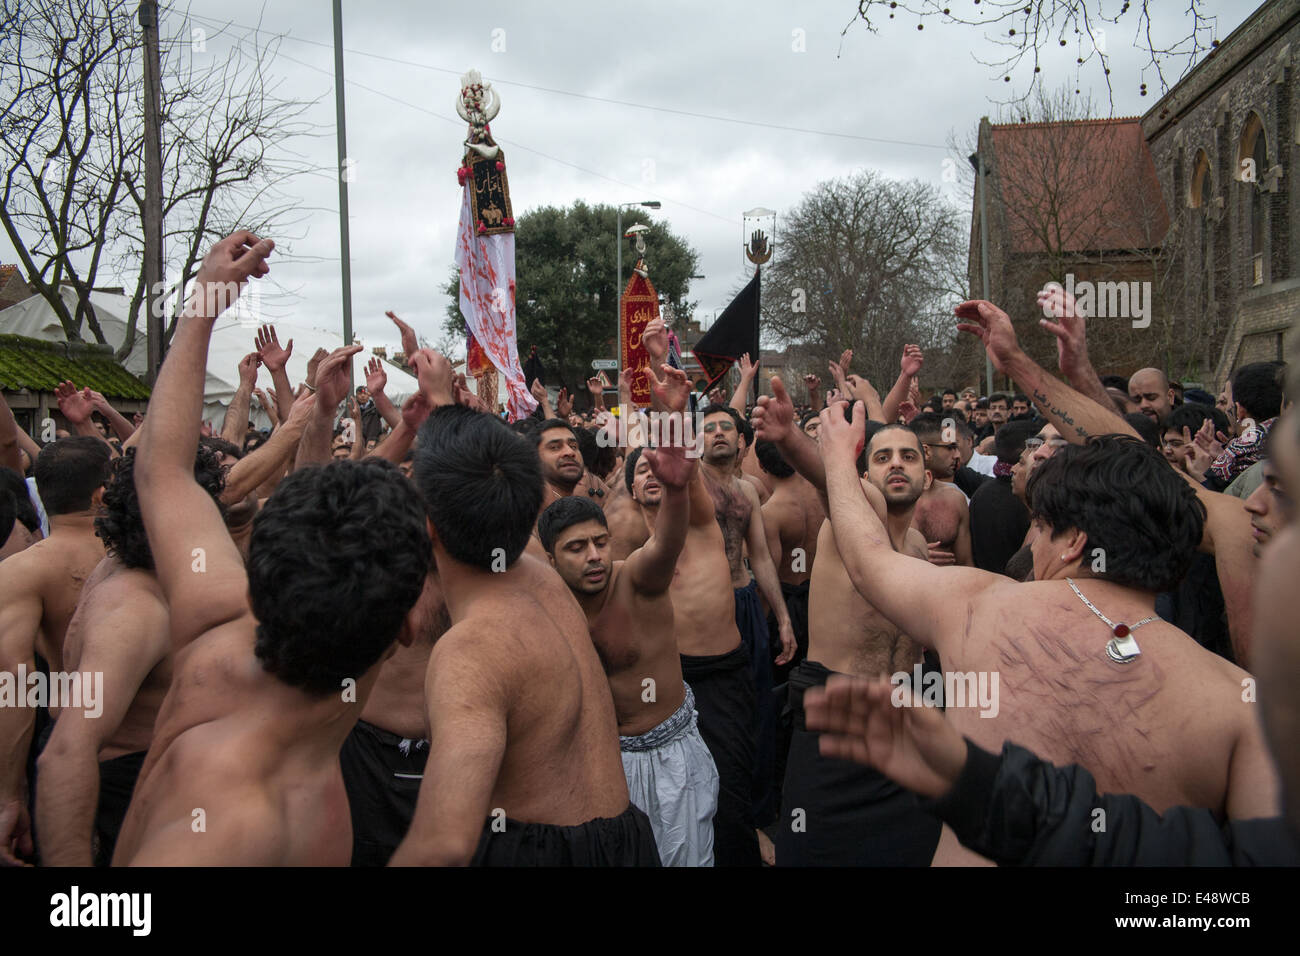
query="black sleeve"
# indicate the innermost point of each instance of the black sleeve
(1019, 810)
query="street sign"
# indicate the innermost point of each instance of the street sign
(607, 365)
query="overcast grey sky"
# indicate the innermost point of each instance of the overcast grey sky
(891, 98)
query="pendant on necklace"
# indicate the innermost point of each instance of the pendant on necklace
(1123, 647)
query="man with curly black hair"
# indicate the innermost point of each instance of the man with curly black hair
(88, 769)
(273, 664)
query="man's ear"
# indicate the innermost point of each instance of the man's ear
(97, 496)
(1074, 545)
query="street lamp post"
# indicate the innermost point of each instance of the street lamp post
(649, 204)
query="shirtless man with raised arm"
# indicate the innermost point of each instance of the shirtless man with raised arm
(1142, 706)
(120, 629)
(524, 766)
(39, 590)
(832, 813)
(273, 665)
(670, 773)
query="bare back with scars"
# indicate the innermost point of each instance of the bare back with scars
(520, 714)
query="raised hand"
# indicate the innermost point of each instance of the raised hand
(912, 360)
(538, 391)
(837, 373)
(272, 354)
(563, 404)
(334, 378)
(435, 375)
(227, 266)
(76, 406)
(991, 326)
(671, 465)
(773, 416)
(838, 437)
(860, 388)
(812, 382)
(908, 410)
(673, 390)
(912, 745)
(410, 344)
(415, 410)
(655, 340)
(846, 358)
(748, 369)
(248, 370)
(301, 409)
(313, 364)
(593, 386)
(376, 377)
(1069, 327)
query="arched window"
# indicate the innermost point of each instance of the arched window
(1252, 163)
(1202, 186)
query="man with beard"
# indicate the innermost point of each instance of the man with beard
(834, 814)
(670, 773)
(739, 514)
(121, 630)
(561, 456)
(39, 590)
(1149, 389)
(942, 515)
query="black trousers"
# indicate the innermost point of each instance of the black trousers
(624, 840)
(382, 774)
(724, 699)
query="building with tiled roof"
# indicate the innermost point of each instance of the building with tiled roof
(30, 370)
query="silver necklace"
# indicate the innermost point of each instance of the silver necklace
(1122, 648)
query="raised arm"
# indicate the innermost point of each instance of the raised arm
(899, 586)
(198, 566)
(1075, 416)
(748, 371)
(332, 381)
(275, 357)
(376, 382)
(815, 397)
(773, 421)
(268, 459)
(77, 405)
(1071, 342)
(235, 425)
(909, 367)
(653, 565)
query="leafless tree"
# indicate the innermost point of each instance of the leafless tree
(1020, 30)
(71, 150)
(870, 264)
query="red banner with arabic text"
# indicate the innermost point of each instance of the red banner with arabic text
(640, 306)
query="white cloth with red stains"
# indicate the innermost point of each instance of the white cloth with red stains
(487, 301)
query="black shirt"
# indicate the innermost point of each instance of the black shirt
(998, 524)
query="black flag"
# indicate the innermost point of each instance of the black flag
(734, 334)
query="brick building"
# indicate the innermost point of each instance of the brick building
(1226, 141)
(1193, 201)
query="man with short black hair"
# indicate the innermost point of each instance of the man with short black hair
(942, 514)
(1257, 401)
(524, 766)
(949, 397)
(39, 590)
(1019, 405)
(670, 772)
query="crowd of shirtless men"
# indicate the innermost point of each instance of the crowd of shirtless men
(467, 641)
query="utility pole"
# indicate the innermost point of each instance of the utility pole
(153, 224)
(345, 174)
